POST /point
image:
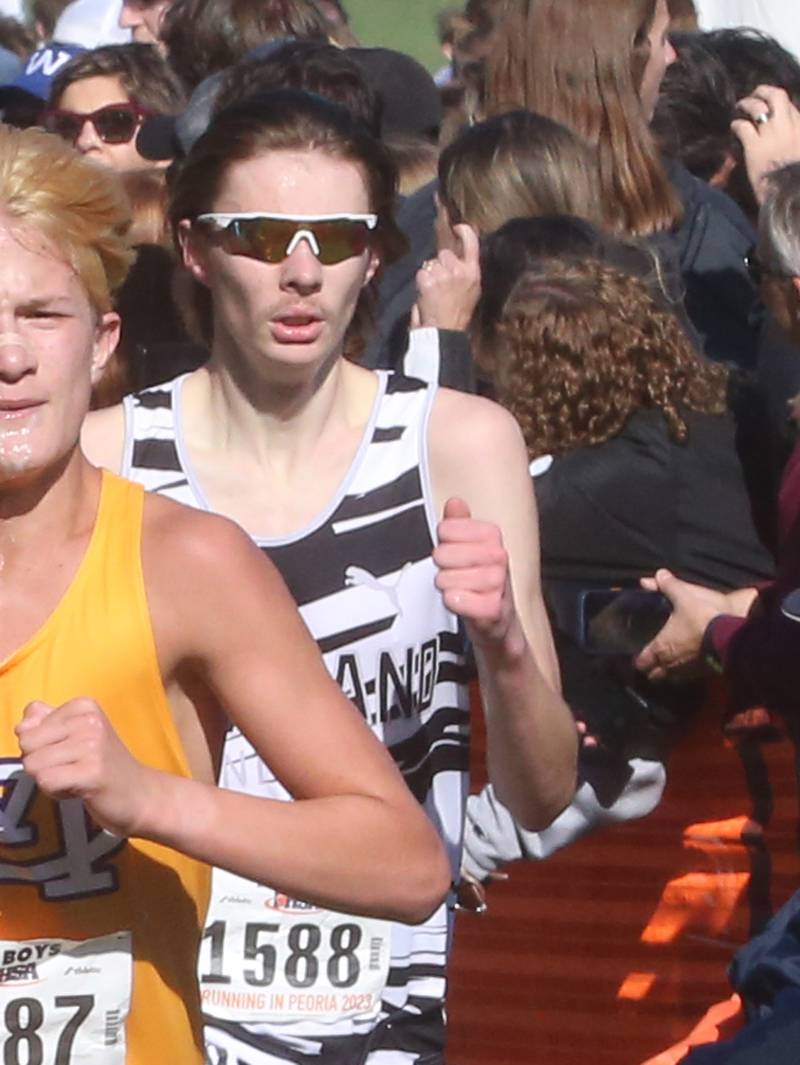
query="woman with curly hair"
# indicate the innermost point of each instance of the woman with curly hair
(644, 469)
(635, 464)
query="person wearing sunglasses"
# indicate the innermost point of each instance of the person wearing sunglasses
(100, 99)
(273, 237)
(400, 515)
(133, 631)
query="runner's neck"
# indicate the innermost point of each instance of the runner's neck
(49, 509)
(279, 425)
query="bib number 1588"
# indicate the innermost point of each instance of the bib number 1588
(300, 967)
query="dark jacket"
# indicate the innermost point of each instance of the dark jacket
(760, 653)
(712, 245)
(766, 973)
(397, 293)
(612, 513)
(704, 261)
(618, 511)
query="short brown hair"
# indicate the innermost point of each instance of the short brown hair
(310, 65)
(204, 36)
(581, 346)
(143, 73)
(79, 207)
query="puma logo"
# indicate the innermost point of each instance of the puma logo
(356, 577)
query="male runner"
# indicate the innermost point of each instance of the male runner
(340, 475)
(131, 629)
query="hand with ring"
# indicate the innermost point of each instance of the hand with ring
(769, 131)
(448, 286)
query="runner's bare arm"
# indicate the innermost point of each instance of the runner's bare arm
(492, 578)
(103, 437)
(356, 840)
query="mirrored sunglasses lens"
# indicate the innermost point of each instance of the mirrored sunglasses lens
(261, 238)
(339, 240)
(115, 125)
(269, 239)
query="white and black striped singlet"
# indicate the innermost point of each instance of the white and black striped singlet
(282, 981)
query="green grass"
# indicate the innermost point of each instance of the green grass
(407, 25)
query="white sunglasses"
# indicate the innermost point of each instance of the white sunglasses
(272, 238)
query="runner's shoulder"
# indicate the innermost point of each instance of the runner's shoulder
(463, 424)
(200, 541)
(203, 576)
(201, 572)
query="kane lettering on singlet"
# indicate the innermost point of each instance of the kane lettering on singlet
(278, 980)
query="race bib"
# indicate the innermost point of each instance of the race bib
(268, 958)
(64, 1002)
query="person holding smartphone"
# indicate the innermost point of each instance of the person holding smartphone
(634, 460)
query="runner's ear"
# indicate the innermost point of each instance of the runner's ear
(193, 249)
(106, 339)
(372, 268)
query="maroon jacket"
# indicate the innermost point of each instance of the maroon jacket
(760, 654)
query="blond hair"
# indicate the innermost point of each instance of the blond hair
(517, 165)
(149, 200)
(80, 208)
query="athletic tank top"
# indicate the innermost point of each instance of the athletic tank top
(93, 927)
(281, 981)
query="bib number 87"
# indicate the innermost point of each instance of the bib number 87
(301, 967)
(24, 1019)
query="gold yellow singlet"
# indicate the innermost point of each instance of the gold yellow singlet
(95, 929)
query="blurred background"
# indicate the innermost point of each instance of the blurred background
(407, 25)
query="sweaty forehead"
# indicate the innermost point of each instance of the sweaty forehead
(294, 182)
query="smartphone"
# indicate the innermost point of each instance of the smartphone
(790, 606)
(621, 621)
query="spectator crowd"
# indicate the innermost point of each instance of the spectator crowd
(339, 404)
